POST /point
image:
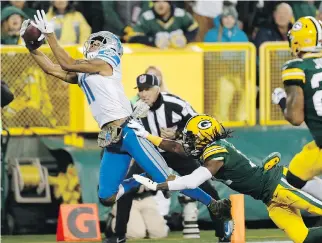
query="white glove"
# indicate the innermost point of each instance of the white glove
(24, 26)
(139, 130)
(177, 39)
(162, 40)
(277, 95)
(151, 185)
(41, 23)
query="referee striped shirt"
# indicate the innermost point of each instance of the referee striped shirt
(169, 111)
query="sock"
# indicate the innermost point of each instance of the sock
(127, 185)
(314, 235)
(314, 188)
(198, 195)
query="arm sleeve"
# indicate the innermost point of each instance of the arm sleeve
(292, 73)
(195, 179)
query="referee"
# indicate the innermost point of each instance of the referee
(167, 117)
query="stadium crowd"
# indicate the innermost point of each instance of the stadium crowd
(151, 22)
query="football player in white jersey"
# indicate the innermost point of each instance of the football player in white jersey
(99, 76)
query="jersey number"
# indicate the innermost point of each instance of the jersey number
(317, 97)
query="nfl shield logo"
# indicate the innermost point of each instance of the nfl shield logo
(142, 79)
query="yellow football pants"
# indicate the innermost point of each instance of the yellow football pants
(307, 163)
(284, 209)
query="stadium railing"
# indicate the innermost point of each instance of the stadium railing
(272, 56)
(217, 79)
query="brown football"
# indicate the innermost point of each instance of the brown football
(31, 36)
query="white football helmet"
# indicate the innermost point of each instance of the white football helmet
(108, 41)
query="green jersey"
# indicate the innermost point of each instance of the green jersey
(240, 174)
(307, 73)
(149, 24)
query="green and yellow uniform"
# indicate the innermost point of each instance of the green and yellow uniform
(307, 73)
(240, 174)
(283, 201)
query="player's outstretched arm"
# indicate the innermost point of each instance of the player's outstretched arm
(53, 69)
(66, 62)
(164, 144)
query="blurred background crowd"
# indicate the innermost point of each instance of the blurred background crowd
(218, 21)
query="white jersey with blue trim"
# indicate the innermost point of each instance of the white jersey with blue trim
(105, 94)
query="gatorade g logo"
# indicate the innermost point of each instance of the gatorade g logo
(81, 223)
(78, 221)
(204, 124)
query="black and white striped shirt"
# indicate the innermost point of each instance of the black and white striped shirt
(169, 111)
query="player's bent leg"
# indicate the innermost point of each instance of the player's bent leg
(151, 161)
(297, 198)
(308, 163)
(289, 220)
(145, 155)
(113, 170)
(314, 235)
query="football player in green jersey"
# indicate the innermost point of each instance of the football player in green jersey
(204, 138)
(301, 101)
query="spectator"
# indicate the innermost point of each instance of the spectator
(204, 13)
(144, 219)
(165, 25)
(226, 28)
(22, 5)
(70, 25)
(277, 31)
(11, 20)
(167, 117)
(303, 8)
(119, 16)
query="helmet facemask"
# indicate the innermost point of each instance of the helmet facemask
(107, 41)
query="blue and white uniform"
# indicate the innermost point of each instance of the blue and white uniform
(108, 102)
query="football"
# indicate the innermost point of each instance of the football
(31, 36)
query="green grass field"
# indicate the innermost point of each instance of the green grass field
(265, 235)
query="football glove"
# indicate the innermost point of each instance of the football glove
(177, 39)
(221, 209)
(41, 23)
(139, 130)
(151, 185)
(277, 95)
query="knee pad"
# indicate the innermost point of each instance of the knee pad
(294, 180)
(108, 202)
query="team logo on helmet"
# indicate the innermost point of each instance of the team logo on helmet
(142, 79)
(297, 26)
(204, 124)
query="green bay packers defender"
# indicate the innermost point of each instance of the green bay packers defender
(204, 138)
(302, 101)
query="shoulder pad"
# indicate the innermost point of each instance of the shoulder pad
(291, 63)
(179, 12)
(148, 15)
(213, 150)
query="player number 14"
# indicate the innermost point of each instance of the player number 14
(317, 97)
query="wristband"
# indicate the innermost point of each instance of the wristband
(154, 139)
